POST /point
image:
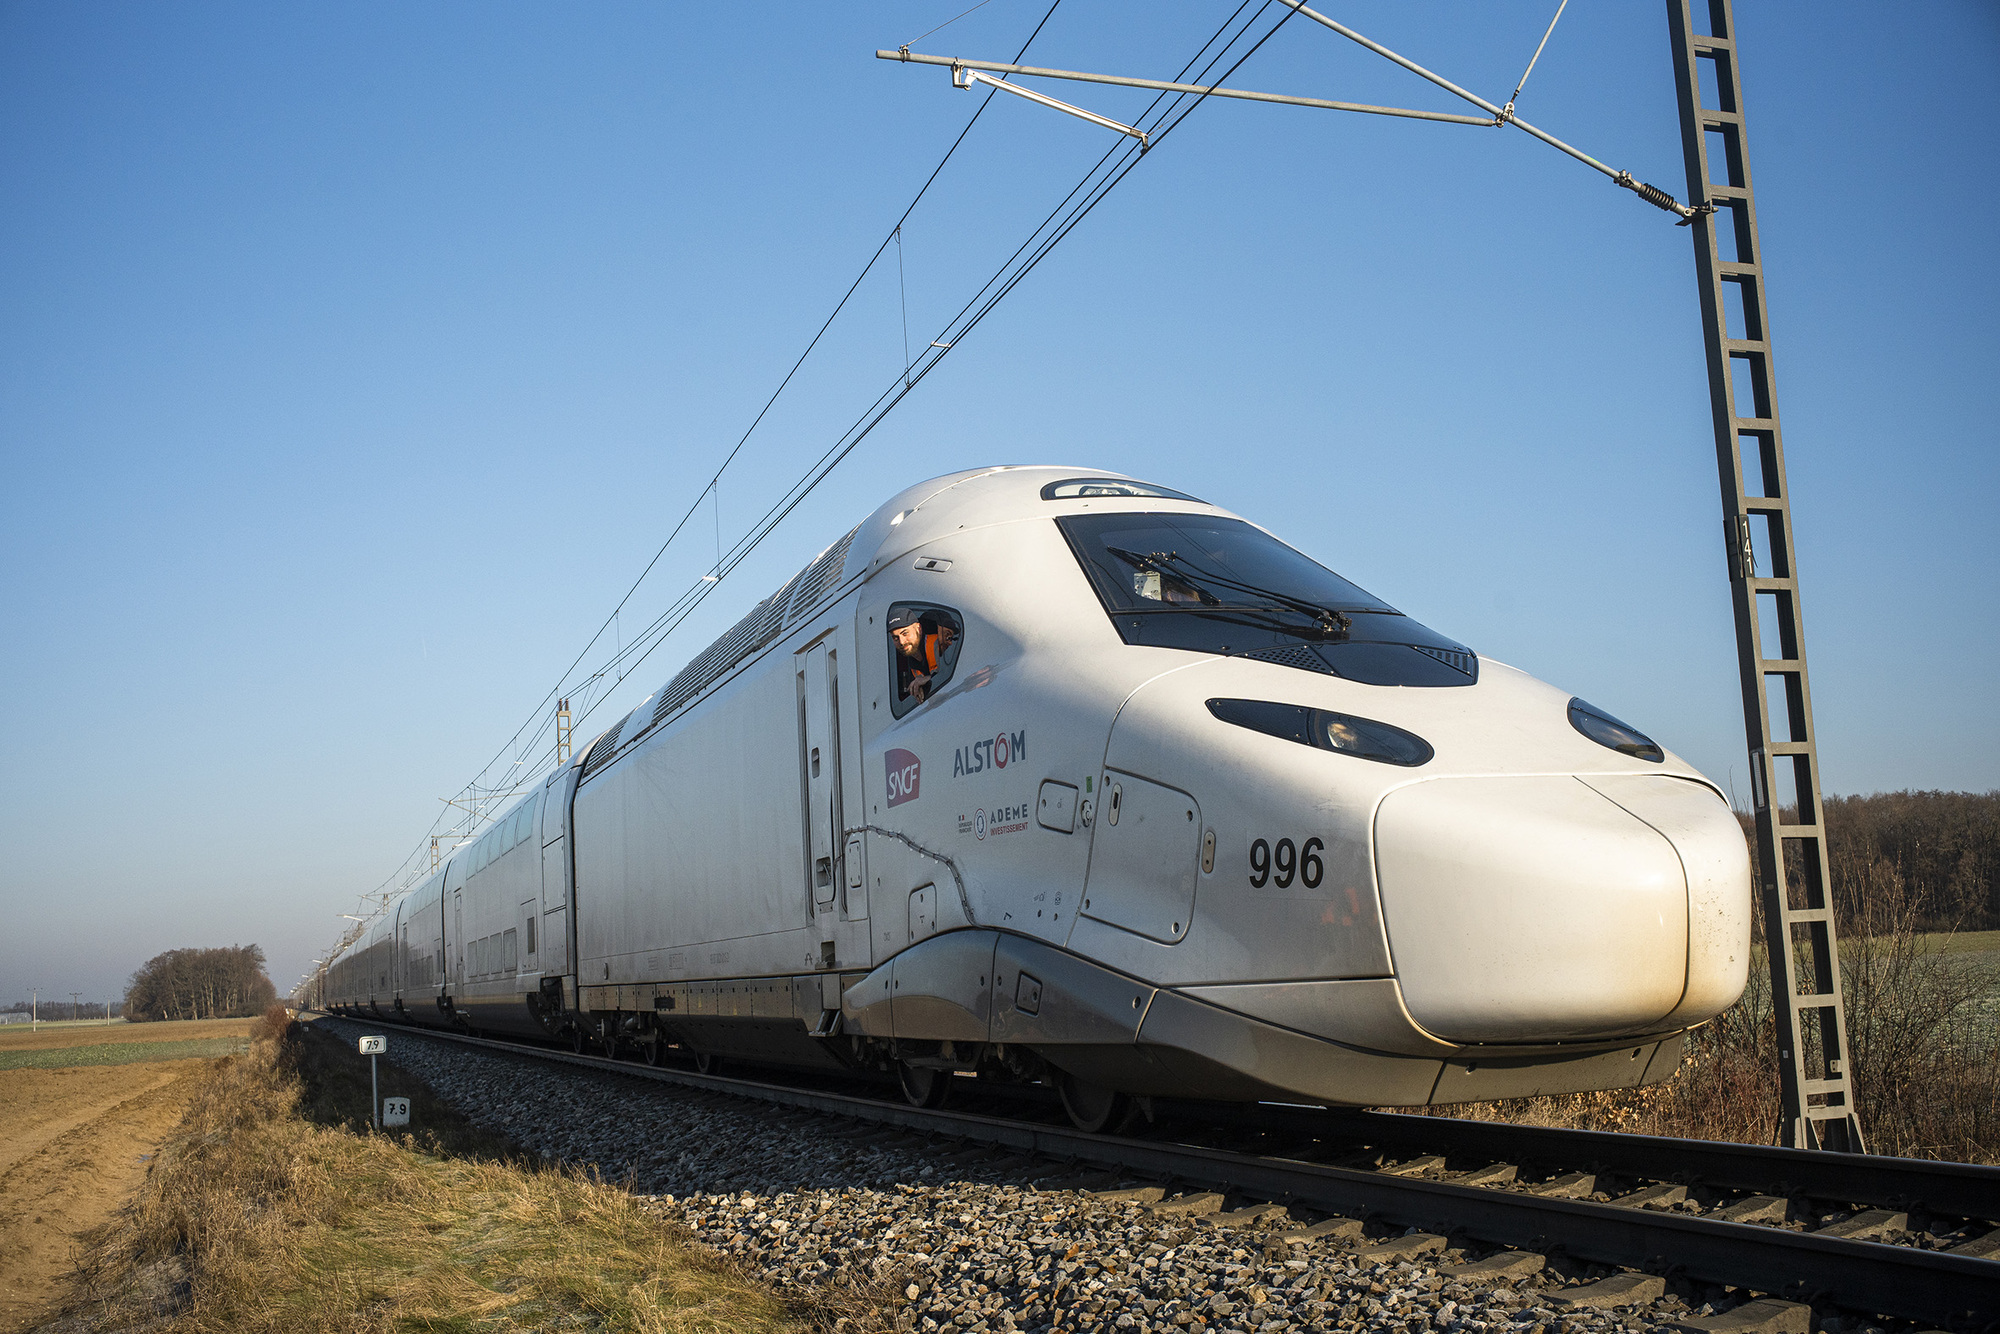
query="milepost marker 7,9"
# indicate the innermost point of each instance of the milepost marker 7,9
(372, 1048)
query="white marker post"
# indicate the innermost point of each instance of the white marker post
(395, 1112)
(373, 1048)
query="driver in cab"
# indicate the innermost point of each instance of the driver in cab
(913, 659)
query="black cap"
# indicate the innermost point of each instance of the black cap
(903, 616)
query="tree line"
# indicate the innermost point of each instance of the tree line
(223, 983)
(1934, 855)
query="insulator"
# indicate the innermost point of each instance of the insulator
(1658, 198)
(1652, 194)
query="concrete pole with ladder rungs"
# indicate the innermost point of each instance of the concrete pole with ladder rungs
(1818, 1109)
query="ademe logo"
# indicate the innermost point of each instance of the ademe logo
(905, 771)
(999, 820)
(994, 753)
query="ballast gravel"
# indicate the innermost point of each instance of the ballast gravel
(959, 1239)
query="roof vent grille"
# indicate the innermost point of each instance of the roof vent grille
(1292, 656)
(602, 751)
(766, 621)
(1456, 658)
(822, 575)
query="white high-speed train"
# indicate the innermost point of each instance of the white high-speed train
(1044, 774)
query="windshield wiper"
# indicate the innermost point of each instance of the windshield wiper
(1331, 622)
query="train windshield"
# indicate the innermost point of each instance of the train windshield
(1219, 585)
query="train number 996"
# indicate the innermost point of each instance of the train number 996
(1288, 862)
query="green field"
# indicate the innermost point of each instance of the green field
(119, 1053)
(1965, 942)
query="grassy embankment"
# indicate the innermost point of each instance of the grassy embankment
(1923, 1014)
(275, 1207)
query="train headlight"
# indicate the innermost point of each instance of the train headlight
(1323, 729)
(1605, 730)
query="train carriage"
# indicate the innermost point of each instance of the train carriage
(1054, 775)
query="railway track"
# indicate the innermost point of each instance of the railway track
(1904, 1239)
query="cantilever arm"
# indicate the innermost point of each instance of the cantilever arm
(962, 77)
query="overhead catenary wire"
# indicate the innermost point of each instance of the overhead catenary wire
(676, 612)
(644, 643)
(768, 404)
(541, 710)
(969, 316)
(903, 296)
(947, 23)
(1039, 244)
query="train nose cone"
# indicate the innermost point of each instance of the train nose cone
(1540, 909)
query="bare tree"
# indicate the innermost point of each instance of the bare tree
(219, 983)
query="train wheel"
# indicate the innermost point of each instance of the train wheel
(654, 1052)
(707, 1063)
(923, 1087)
(579, 1041)
(1093, 1108)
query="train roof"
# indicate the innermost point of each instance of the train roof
(982, 496)
(915, 516)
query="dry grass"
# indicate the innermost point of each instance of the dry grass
(272, 1208)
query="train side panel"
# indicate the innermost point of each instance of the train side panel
(420, 952)
(689, 849)
(502, 908)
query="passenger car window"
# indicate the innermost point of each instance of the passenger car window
(924, 641)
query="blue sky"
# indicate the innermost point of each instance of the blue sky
(357, 358)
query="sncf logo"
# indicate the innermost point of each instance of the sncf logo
(905, 770)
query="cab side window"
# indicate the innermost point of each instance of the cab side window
(924, 641)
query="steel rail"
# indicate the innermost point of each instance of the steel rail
(1934, 1286)
(1956, 1190)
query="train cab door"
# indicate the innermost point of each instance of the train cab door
(819, 758)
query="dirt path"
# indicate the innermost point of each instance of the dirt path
(76, 1149)
(38, 1106)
